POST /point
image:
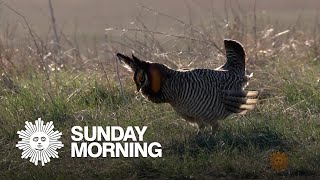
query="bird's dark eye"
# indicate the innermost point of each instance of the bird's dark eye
(142, 79)
(139, 77)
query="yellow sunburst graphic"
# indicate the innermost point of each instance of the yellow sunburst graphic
(279, 161)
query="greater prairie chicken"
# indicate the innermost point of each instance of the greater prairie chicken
(200, 96)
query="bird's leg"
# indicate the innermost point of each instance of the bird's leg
(214, 126)
(201, 128)
(205, 131)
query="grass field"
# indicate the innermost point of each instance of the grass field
(78, 84)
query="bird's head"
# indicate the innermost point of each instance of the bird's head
(147, 76)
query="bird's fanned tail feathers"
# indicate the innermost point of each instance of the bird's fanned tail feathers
(236, 56)
(240, 101)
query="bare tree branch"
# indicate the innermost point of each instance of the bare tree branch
(27, 24)
(54, 27)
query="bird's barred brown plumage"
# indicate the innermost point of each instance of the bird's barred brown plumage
(200, 96)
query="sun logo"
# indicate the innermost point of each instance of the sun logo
(39, 142)
(279, 161)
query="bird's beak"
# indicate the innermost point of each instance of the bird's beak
(138, 88)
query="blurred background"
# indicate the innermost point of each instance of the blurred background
(82, 24)
(92, 17)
